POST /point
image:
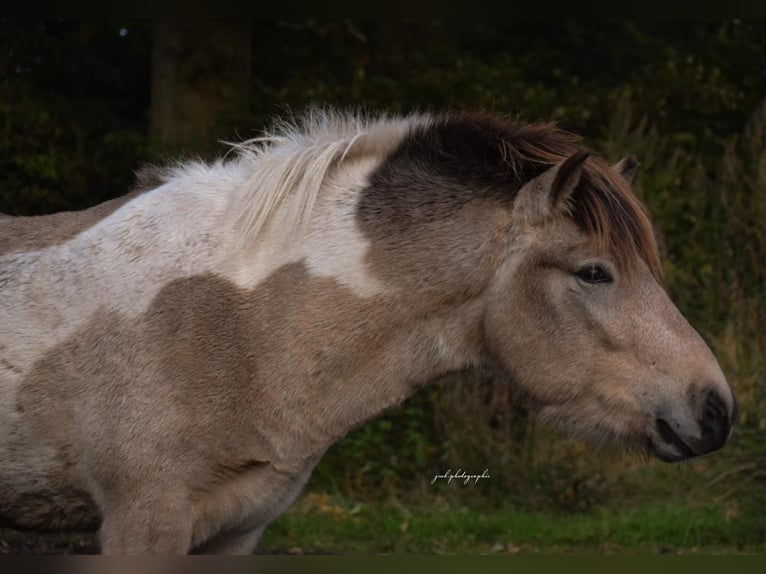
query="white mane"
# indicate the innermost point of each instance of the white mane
(289, 164)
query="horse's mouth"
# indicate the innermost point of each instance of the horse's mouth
(670, 447)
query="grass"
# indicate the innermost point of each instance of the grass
(321, 524)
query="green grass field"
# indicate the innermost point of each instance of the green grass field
(320, 524)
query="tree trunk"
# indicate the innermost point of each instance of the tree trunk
(200, 84)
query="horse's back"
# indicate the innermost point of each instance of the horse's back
(31, 233)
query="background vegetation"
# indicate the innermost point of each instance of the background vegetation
(81, 108)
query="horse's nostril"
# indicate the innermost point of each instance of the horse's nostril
(714, 407)
(714, 421)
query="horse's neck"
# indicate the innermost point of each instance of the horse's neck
(342, 361)
(420, 351)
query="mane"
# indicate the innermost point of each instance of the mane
(286, 167)
(291, 161)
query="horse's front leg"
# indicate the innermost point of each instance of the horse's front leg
(147, 521)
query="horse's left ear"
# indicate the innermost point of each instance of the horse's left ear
(548, 193)
(566, 176)
(627, 167)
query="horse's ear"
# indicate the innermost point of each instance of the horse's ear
(627, 167)
(566, 177)
(549, 192)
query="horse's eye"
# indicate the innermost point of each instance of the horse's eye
(594, 274)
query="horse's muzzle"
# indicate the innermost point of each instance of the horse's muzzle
(676, 438)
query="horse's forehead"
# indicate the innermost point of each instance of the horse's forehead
(558, 236)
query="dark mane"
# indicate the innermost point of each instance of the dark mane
(490, 155)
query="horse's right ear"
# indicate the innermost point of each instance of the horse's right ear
(548, 193)
(627, 167)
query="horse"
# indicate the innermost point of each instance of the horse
(174, 362)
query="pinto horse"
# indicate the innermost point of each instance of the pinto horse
(174, 362)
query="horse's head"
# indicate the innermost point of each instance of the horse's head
(579, 320)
